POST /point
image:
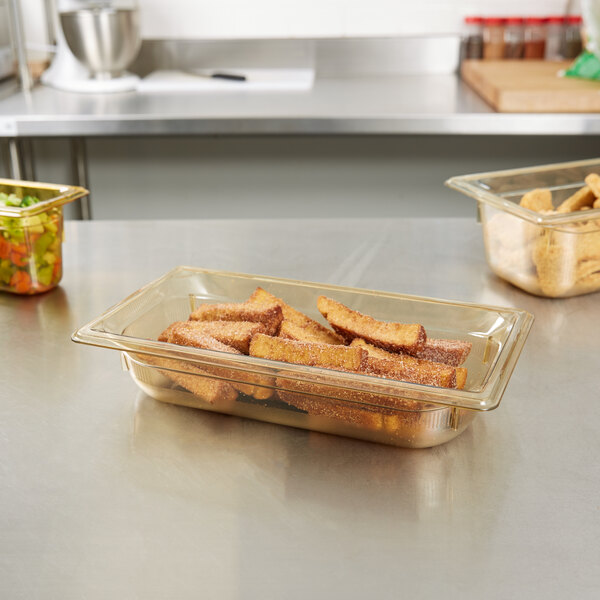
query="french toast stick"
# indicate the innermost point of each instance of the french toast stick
(236, 334)
(185, 333)
(537, 200)
(364, 409)
(593, 182)
(329, 356)
(194, 379)
(291, 331)
(350, 324)
(270, 315)
(261, 297)
(450, 352)
(406, 368)
(339, 410)
(461, 378)
(581, 198)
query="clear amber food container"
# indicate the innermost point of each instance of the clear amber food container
(549, 252)
(343, 403)
(31, 234)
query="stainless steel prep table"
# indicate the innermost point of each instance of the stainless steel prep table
(107, 493)
(437, 104)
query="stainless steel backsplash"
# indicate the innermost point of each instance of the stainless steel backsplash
(329, 57)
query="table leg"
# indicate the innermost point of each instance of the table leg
(15, 160)
(27, 159)
(80, 174)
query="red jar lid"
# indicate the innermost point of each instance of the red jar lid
(535, 20)
(574, 19)
(493, 20)
(556, 19)
(515, 20)
(473, 20)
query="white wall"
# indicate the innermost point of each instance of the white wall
(221, 19)
(321, 18)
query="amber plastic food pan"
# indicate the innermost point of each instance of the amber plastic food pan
(548, 252)
(343, 403)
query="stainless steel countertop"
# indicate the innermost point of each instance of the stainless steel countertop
(400, 104)
(107, 493)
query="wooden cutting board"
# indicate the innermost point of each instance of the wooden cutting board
(530, 86)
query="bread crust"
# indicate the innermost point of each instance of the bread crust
(350, 324)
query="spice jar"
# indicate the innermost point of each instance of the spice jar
(535, 38)
(493, 38)
(572, 37)
(555, 36)
(513, 38)
(473, 38)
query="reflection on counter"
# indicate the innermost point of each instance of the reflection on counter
(282, 465)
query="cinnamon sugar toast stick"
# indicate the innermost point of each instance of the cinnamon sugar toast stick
(450, 352)
(261, 297)
(195, 380)
(582, 197)
(593, 182)
(329, 356)
(270, 316)
(186, 334)
(406, 368)
(350, 324)
(537, 200)
(236, 334)
(291, 331)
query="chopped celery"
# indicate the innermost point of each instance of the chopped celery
(51, 226)
(43, 242)
(49, 258)
(6, 271)
(29, 200)
(44, 275)
(13, 200)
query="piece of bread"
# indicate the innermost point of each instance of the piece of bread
(582, 197)
(350, 324)
(593, 182)
(450, 352)
(193, 379)
(537, 200)
(261, 297)
(291, 331)
(405, 368)
(185, 333)
(329, 356)
(236, 334)
(270, 316)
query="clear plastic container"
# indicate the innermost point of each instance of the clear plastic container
(31, 236)
(514, 36)
(493, 38)
(573, 44)
(535, 38)
(555, 37)
(549, 253)
(473, 38)
(343, 403)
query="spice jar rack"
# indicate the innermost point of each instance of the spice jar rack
(556, 37)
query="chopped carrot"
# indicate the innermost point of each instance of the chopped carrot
(4, 248)
(56, 271)
(19, 259)
(21, 282)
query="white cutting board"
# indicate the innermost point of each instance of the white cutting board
(257, 80)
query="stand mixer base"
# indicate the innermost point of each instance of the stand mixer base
(126, 83)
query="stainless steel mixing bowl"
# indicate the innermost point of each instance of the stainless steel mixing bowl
(104, 39)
